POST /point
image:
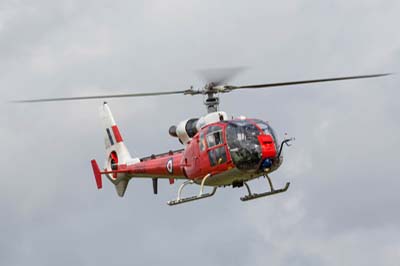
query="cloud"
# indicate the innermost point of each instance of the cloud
(340, 208)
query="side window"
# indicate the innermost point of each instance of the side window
(210, 140)
(202, 143)
(220, 155)
(217, 156)
(211, 157)
(214, 136)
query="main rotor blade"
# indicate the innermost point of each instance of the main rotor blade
(101, 97)
(307, 81)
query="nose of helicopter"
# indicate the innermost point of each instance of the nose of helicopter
(268, 150)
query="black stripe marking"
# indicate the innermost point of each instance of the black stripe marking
(109, 136)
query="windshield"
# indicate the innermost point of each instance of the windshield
(243, 144)
(267, 129)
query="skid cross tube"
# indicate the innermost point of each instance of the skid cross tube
(272, 191)
(201, 195)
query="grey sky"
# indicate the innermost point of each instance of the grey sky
(342, 207)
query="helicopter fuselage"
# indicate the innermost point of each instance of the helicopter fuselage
(230, 152)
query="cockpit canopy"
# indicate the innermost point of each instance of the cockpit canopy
(240, 139)
(243, 143)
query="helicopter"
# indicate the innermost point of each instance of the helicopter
(217, 151)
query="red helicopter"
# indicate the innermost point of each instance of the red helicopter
(218, 151)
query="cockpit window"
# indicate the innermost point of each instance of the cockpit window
(267, 130)
(214, 136)
(202, 141)
(242, 130)
(216, 151)
(244, 147)
(217, 156)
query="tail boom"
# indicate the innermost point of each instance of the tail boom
(159, 167)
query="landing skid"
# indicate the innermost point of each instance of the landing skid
(201, 195)
(273, 191)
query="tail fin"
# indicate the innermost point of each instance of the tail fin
(116, 151)
(112, 137)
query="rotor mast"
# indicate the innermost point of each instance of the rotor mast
(212, 100)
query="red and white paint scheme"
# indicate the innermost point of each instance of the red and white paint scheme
(218, 152)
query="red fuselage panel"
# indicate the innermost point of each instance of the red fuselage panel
(208, 153)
